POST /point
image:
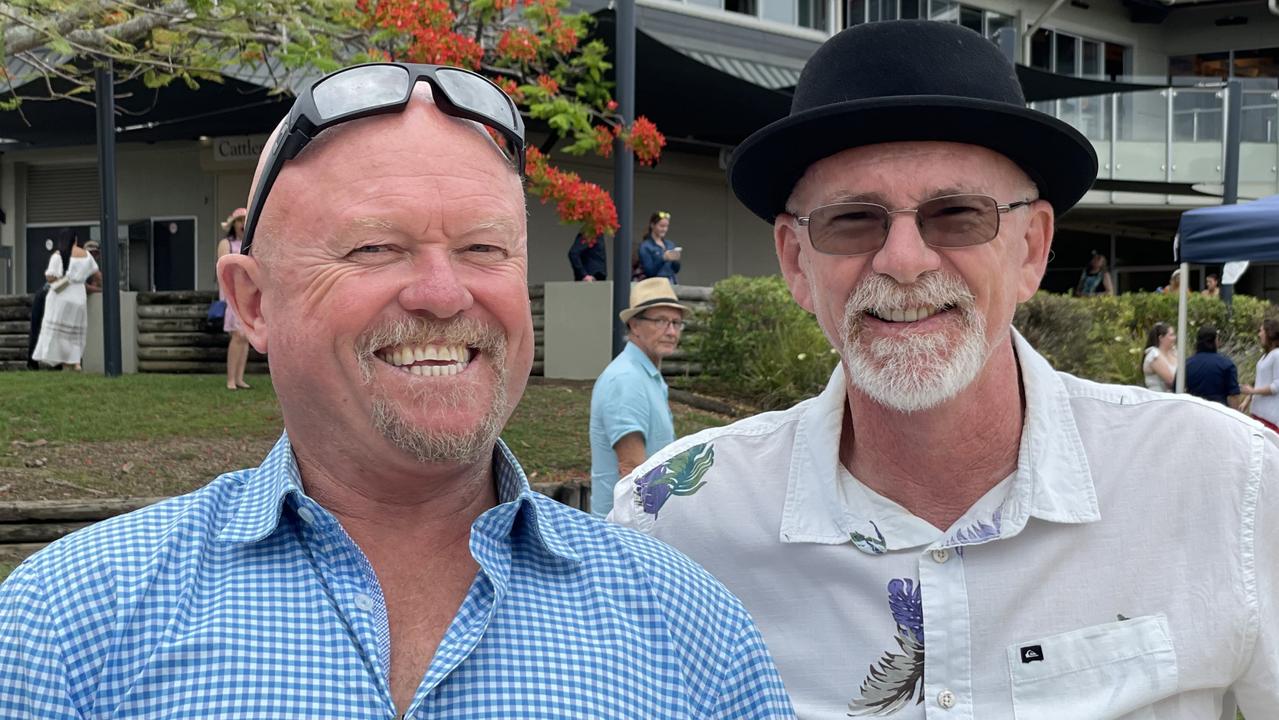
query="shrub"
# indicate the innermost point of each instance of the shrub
(1103, 338)
(758, 345)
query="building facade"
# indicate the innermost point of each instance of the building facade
(174, 192)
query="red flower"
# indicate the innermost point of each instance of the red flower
(645, 140)
(518, 44)
(548, 84)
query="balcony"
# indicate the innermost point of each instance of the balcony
(1177, 135)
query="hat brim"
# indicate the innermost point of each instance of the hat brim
(766, 166)
(631, 312)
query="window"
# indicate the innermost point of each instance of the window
(999, 28)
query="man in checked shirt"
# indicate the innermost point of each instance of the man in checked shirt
(388, 558)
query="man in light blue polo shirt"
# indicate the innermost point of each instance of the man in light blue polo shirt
(630, 415)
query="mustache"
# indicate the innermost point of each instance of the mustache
(881, 294)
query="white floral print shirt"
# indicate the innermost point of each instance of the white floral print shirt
(1129, 568)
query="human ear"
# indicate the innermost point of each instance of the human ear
(240, 277)
(789, 251)
(1039, 239)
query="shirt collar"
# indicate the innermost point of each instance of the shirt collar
(638, 357)
(1052, 481)
(276, 484)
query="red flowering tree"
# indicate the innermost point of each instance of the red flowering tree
(531, 48)
(540, 56)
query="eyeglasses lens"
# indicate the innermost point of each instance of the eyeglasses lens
(860, 228)
(477, 95)
(360, 88)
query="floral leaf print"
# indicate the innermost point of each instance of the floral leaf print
(979, 532)
(873, 545)
(898, 676)
(681, 475)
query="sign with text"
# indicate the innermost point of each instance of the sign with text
(238, 148)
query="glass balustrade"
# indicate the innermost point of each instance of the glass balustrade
(1178, 134)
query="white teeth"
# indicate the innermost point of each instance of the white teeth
(907, 314)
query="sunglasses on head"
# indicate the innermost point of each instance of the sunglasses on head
(663, 215)
(379, 89)
(949, 221)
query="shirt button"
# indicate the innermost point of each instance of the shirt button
(941, 555)
(363, 602)
(946, 699)
(307, 516)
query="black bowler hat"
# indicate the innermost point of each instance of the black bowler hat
(909, 80)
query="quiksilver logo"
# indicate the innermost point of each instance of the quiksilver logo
(1032, 653)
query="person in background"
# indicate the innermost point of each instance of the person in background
(1212, 286)
(237, 351)
(66, 312)
(1265, 391)
(1159, 363)
(94, 283)
(1174, 283)
(1095, 279)
(659, 256)
(40, 296)
(630, 413)
(589, 258)
(1211, 375)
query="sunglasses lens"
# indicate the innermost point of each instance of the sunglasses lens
(959, 220)
(360, 88)
(847, 228)
(470, 91)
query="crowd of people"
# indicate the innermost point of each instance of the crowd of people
(951, 528)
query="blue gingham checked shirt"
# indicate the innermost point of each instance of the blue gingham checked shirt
(246, 599)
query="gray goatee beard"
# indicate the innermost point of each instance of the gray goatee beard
(430, 445)
(920, 370)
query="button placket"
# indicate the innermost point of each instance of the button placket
(947, 640)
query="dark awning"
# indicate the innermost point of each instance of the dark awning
(691, 100)
(1043, 85)
(175, 112)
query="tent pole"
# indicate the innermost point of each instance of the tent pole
(1181, 326)
(623, 169)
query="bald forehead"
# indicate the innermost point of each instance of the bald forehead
(886, 172)
(338, 155)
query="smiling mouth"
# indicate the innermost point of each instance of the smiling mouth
(430, 360)
(906, 315)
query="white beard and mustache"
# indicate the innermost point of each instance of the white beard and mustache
(920, 370)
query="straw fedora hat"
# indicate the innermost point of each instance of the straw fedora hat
(907, 80)
(651, 293)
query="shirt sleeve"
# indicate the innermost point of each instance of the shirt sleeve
(575, 257)
(33, 673)
(1232, 380)
(55, 265)
(1257, 688)
(625, 411)
(1271, 362)
(650, 258)
(1151, 354)
(750, 687)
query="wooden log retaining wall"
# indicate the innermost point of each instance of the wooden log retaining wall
(15, 323)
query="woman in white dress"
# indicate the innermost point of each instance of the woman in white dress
(66, 312)
(1159, 364)
(1265, 394)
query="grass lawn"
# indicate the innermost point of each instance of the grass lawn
(71, 435)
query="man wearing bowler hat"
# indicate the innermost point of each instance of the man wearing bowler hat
(951, 529)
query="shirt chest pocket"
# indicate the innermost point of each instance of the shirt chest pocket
(1105, 672)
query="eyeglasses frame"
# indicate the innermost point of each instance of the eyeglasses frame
(679, 325)
(303, 125)
(1000, 209)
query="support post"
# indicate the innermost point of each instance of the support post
(110, 244)
(623, 168)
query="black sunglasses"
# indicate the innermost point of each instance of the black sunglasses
(379, 89)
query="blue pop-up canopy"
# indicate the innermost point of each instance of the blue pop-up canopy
(1222, 233)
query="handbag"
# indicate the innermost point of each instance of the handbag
(217, 313)
(60, 284)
